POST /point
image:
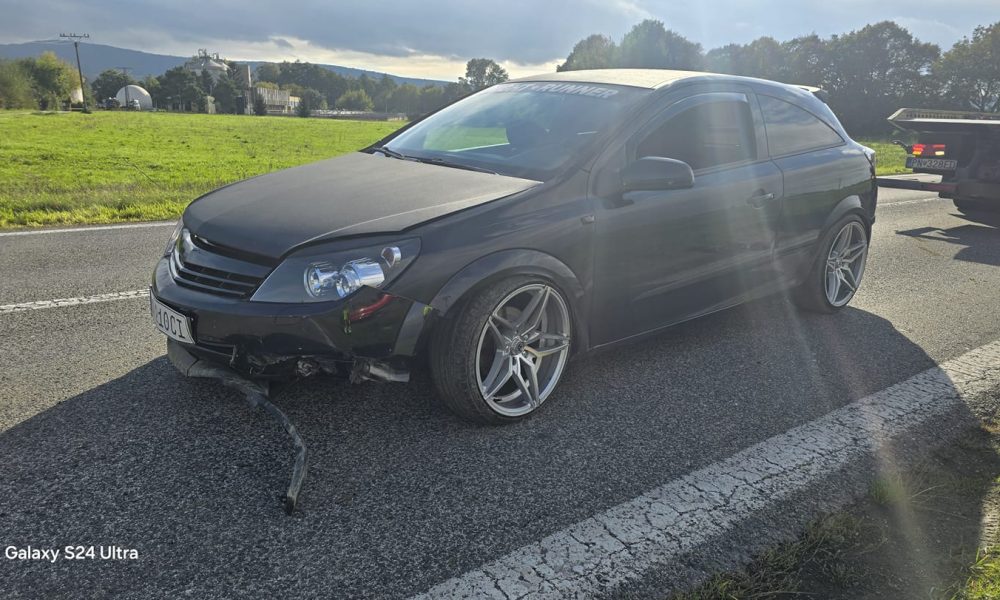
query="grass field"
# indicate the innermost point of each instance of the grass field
(62, 168)
(891, 158)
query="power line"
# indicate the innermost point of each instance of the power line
(76, 46)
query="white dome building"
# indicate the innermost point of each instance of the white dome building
(134, 92)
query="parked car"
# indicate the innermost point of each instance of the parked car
(531, 221)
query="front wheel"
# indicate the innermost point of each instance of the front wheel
(836, 274)
(505, 351)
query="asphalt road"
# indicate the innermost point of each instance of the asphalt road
(103, 443)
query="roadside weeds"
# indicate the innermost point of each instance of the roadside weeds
(931, 531)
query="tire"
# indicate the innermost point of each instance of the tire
(814, 293)
(472, 351)
(969, 205)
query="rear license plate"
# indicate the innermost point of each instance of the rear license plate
(170, 322)
(932, 164)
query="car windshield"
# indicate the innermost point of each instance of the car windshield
(530, 130)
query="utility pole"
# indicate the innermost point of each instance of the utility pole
(76, 46)
(125, 70)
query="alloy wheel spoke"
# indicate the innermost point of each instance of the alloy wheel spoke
(832, 285)
(529, 384)
(854, 252)
(500, 373)
(498, 337)
(848, 277)
(533, 312)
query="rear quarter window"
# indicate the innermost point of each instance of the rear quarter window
(792, 130)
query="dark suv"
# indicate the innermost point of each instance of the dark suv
(535, 219)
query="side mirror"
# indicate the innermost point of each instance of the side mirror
(657, 173)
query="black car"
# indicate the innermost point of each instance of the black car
(533, 220)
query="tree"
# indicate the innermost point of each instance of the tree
(178, 86)
(109, 82)
(651, 46)
(259, 106)
(807, 60)
(383, 91)
(592, 52)
(406, 99)
(15, 86)
(205, 82)
(310, 100)
(268, 72)
(970, 72)
(52, 80)
(763, 57)
(152, 85)
(431, 99)
(875, 70)
(355, 100)
(481, 73)
(225, 96)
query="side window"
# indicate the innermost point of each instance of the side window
(791, 129)
(706, 135)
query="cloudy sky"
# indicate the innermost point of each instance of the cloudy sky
(434, 38)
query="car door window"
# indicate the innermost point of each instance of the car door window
(708, 134)
(792, 130)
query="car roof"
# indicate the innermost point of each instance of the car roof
(651, 78)
(642, 78)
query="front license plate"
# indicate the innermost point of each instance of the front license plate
(932, 164)
(172, 323)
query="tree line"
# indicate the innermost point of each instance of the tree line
(868, 73)
(44, 82)
(316, 87)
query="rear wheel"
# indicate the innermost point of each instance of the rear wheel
(836, 274)
(505, 351)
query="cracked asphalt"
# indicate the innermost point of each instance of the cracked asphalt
(103, 443)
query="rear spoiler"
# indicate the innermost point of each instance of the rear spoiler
(820, 93)
(932, 120)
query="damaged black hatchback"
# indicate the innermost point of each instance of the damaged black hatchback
(531, 220)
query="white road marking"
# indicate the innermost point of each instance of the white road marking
(84, 229)
(628, 540)
(905, 202)
(62, 302)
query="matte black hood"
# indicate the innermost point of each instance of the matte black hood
(350, 195)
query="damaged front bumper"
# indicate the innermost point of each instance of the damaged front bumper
(370, 335)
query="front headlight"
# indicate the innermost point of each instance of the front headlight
(316, 277)
(174, 237)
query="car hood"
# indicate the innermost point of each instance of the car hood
(356, 194)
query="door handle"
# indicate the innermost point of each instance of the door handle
(759, 200)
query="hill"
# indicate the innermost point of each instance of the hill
(98, 57)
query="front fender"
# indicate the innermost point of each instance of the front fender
(506, 263)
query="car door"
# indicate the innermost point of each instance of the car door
(816, 165)
(664, 256)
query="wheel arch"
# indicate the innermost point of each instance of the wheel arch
(510, 263)
(850, 204)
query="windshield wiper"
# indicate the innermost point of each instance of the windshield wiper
(431, 160)
(454, 165)
(391, 153)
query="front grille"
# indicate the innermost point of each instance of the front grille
(194, 265)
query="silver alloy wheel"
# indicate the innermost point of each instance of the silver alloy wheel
(845, 264)
(523, 349)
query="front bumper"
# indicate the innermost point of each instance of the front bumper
(370, 334)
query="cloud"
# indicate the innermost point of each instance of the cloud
(436, 37)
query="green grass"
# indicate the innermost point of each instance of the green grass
(105, 167)
(891, 158)
(984, 577)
